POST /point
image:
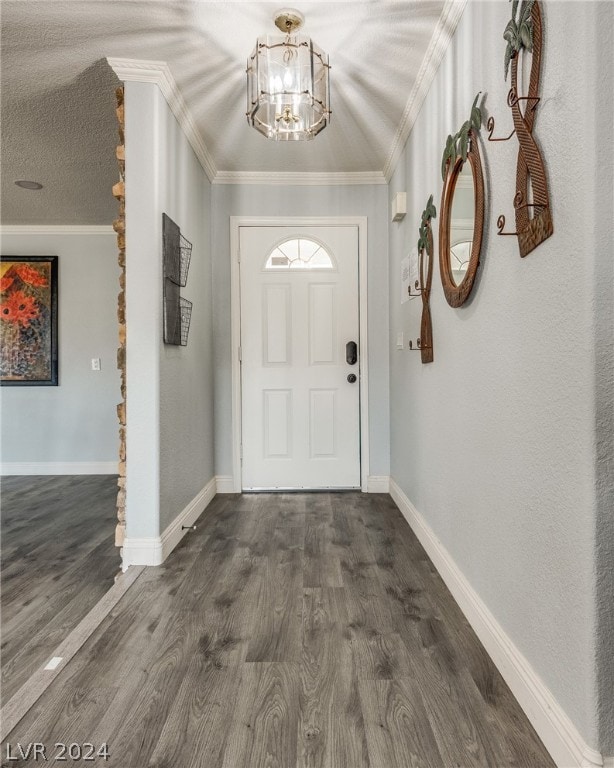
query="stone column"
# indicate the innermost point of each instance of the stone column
(119, 225)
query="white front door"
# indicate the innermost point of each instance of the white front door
(299, 316)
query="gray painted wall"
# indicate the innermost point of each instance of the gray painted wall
(255, 200)
(77, 420)
(602, 225)
(170, 389)
(497, 442)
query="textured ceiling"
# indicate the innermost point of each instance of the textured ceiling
(57, 89)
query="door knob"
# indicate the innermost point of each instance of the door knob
(352, 378)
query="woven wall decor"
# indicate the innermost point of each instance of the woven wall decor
(524, 32)
(423, 285)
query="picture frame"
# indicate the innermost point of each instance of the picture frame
(29, 321)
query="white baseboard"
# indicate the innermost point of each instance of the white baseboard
(147, 551)
(225, 484)
(155, 550)
(559, 735)
(173, 534)
(58, 468)
(378, 484)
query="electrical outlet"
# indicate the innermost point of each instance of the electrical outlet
(95, 363)
(400, 340)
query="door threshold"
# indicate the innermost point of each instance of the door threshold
(329, 489)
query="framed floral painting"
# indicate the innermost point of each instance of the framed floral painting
(29, 320)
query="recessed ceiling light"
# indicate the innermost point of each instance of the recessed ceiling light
(29, 184)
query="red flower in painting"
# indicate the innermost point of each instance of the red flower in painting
(5, 283)
(6, 312)
(30, 275)
(19, 309)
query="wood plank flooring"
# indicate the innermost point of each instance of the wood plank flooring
(58, 560)
(288, 630)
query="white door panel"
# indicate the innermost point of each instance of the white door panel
(300, 415)
(276, 325)
(322, 323)
(277, 423)
(322, 423)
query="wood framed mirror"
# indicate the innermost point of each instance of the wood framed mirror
(462, 211)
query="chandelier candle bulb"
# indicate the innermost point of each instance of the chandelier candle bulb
(288, 90)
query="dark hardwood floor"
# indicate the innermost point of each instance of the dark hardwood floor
(288, 630)
(57, 560)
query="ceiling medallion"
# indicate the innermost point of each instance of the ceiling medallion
(288, 91)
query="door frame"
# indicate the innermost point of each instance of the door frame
(236, 222)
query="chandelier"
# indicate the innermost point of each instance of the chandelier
(288, 92)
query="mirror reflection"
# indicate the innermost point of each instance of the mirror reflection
(462, 221)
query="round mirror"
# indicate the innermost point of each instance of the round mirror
(461, 224)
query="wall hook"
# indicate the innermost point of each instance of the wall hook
(501, 227)
(419, 346)
(519, 205)
(491, 127)
(513, 98)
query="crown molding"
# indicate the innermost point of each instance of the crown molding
(440, 40)
(55, 229)
(299, 178)
(158, 72)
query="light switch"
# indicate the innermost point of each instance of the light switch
(400, 340)
(95, 363)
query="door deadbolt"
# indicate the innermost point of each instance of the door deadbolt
(351, 353)
(352, 378)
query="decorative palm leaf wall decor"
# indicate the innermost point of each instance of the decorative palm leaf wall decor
(458, 145)
(425, 256)
(524, 33)
(518, 32)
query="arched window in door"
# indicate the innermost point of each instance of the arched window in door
(299, 253)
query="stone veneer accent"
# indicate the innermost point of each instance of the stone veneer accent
(119, 225)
